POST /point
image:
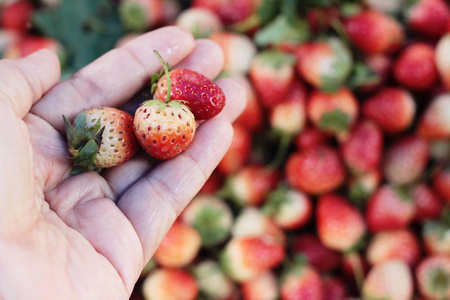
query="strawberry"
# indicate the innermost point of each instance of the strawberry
(428, 17)
(316, 170)
(252, 116)
(311, 137)
(363, 148)
(377, 67)
(169, 284)
(324, 64)
(100, 138)
(262, 287)
(212, 282)
(427, 202)
(238, 153)
(415, 68)
(373, 32)
(289, 117)
(392, 109)
(247, 257)
(333, 113)
(301, 282)
(436, 234)
(251, 222)
(316, 254)
(433, 277)
(139, 15)
(164, 129)
(361, 187)
(435, 122)
(396, 244)
(251, 184)
(442, 59)
(406, 160)
(210, 217)
(390, 208)
(238, 50)
(179, 247)
(340, 226)
(389, 280)
(288, 208)
(230, 11)
(203, 97)
(272, 74)
(17, 16)
(200, 22)
(27, 45)
(213, 184)
(441, 183)
(334, 289)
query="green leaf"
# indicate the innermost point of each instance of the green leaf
(268, 10)
(289, 10)
(282, 30)
(336, 121)
(363, 76)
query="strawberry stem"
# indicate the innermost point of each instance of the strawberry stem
(166, 71)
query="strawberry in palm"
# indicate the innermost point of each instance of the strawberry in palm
(164, 129)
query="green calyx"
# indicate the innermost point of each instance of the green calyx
(275, 200)
(335, 121)
(84, 143)
(276, 59)
(404, 193)
(342, 67)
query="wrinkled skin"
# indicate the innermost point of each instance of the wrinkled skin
(89, 236)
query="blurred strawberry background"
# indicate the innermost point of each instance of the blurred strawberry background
(337, 183)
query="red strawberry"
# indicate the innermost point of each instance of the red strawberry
(27, 45)
(433, 277)
(169, 284)
(301, 282)
(100, 138)
(213, 184)
(288, 208)
(203, 97)
(252, 116)
(200, 22)
(333, 113)
(247, 257)
(334, 289)
(316, 254)
(210, 217)
(230, 11)
(441, 183)
(324, 64)
(363, 148)
(272, 74)
(262, 287)
(363, 186)
(212, 282)
(373, 32)
(396, 244)
(238, 49)
(415, 68)
(435, 122)
(389, 280)
(139, 15)
(406, 160)
(17, 16)
(340, 226)
(316, 170)
(179, 247)
(289, 117)
(392, 109)
(442, 59)
(238, 153)
(251, 184)
(390, 208)
(311, 137)
(428, 17)
(427, 202)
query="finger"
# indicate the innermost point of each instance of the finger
(116, 76)
(134, 170)
(24, 81)
(155, 201)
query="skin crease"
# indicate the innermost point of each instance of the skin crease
(89, 236)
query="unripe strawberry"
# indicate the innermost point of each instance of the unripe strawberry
(324, 64)
(139, 15)
(428, 204)
(179, 247)
(428, 17)
(210, 217)
(441, 182)
(212, 282)
(100, 138)
(301, 282)
(316, 254)
(238, 153)
(340, 226)
(389, 280)
(333, 113)
(169, 284)
(435, 122)
(262, 287)
(200, 22)
(433, 277)
(406, 160)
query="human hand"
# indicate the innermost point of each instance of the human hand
(89, 236)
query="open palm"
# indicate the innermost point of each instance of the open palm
(89, 236)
